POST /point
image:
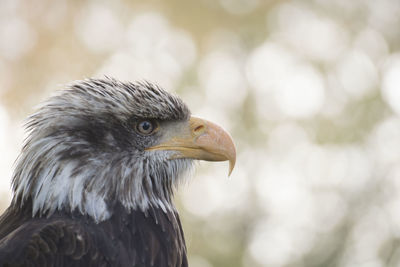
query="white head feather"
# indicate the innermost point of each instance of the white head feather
(76, 157)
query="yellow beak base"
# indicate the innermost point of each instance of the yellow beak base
(203, 140)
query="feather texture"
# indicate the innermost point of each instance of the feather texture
(81, 152)
(128, 238)
(86, 191)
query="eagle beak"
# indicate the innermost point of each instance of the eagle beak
(200, 139)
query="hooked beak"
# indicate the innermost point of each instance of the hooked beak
(200, 139)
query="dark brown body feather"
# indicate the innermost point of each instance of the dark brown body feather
(136, 238)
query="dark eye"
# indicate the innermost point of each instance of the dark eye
(146, 127)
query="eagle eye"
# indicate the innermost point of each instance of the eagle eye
(146, 127)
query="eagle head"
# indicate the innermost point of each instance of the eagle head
(101, 141)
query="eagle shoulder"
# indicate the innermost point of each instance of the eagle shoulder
(135, 238)
(56, 242)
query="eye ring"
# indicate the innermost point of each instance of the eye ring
(146, 127)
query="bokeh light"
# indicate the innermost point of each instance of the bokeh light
(309, 90)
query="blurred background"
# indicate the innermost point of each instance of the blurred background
(309, 90)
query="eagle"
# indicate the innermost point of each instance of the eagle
(95, 179)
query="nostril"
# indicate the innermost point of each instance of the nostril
(198, 128)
